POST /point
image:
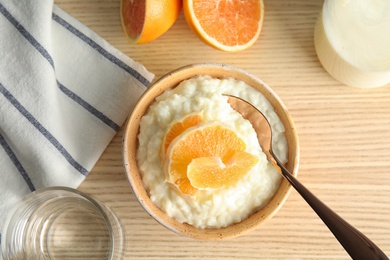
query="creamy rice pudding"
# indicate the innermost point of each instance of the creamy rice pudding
(211, 208)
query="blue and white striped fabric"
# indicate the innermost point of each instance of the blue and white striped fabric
(64, 94)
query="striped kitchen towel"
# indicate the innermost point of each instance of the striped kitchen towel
(64, 94)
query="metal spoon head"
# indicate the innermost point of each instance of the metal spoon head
(258, 121)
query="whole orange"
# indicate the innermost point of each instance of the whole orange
(145, 20)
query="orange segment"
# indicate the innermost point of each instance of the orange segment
(213, 173)
(185, 187)
(178, 127)
(228, 25)
(145, 20)
(207, 156)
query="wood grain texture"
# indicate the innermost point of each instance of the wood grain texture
(344, 137)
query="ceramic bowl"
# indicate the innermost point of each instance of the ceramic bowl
(171, 80)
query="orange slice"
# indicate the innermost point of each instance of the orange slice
(207, 156)
(145, 20)
(228, 25)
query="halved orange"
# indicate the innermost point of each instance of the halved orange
(145, 20)
(208, 156)
(228, 25)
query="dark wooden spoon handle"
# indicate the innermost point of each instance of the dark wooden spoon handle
(354, 242)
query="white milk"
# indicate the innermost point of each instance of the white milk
(352, 40)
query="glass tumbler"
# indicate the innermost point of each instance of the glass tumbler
(61, 223)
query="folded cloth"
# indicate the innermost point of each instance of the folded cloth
(64, 94)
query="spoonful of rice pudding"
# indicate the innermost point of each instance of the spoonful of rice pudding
(354, 242)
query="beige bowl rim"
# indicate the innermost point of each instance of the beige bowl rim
(172, 79)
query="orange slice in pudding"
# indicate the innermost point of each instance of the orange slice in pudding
(208, 156)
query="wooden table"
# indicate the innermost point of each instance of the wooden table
(344, 137)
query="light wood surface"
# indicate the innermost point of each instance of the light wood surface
(344, 136)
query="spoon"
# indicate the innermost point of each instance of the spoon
(354, 242)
